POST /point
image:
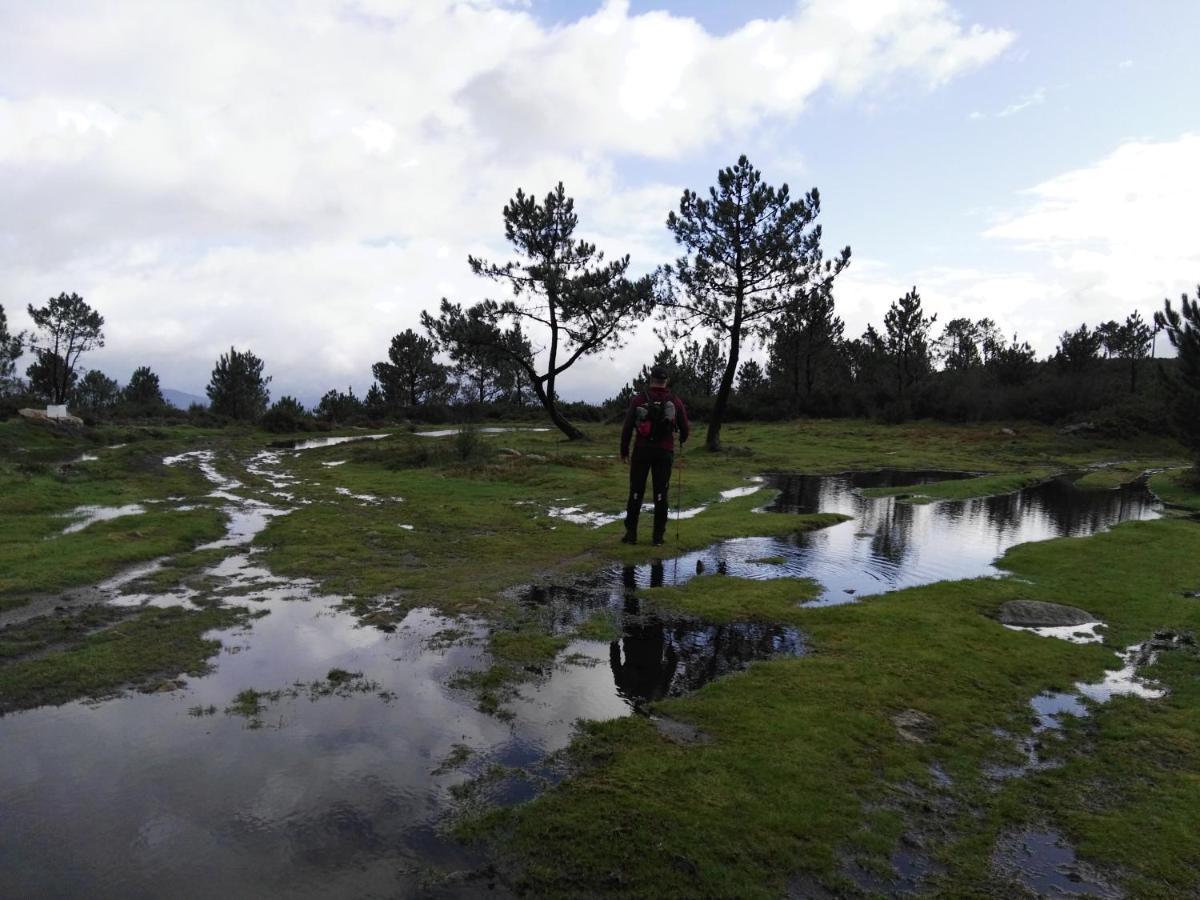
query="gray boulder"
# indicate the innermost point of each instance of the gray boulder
(1036, 614)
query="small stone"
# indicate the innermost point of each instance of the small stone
(1038, 614)
(914, 726)
(680, 732)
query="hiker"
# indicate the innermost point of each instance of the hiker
(654, 414)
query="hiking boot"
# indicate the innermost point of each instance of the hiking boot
(630, 537)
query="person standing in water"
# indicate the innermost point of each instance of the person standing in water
(653, 417)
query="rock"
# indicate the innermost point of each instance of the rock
(41, 417)
(1036, 614)
(1163, 641)
(509, 451)
(535, 457)
(914, 726)
(680, 732)
(1077, 427)
(1008, 432)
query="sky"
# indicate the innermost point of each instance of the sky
(302, 179)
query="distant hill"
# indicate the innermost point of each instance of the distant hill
(182, 399)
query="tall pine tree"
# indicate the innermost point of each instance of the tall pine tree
(563, 291)
(747, 248)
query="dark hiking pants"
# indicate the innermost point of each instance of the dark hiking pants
(656, 463)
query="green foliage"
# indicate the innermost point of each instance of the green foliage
(411, 376)
(286, 415)
(1183, 331)
(97, 394)
(67, 327)
(1078, 350)
(806, 349)
(907, 343)
(337, 407)
(747, 248)
(50, 378)
(143, 394)
(11, 347)
(237, 388)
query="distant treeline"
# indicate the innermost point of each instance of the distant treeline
(751, 272)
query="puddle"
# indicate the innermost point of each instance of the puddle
(90, 515)
(889, 545)
(1087, 633)
(1122, 682)
(450, 432)
(1045, 863)
(581, 515)
(315, 443)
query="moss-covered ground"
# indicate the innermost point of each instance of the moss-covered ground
(806, 778)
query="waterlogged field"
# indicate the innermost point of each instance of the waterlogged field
(411, 663)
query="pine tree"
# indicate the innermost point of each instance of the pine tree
(747, 248)
(238, 388)
(1131, 341)
(1183, 331)
(562, 287)
(67, 327)
(411, 376)
(805, 341)
(11, 348)
(97, 393)
(143, 392)
(1078, 350)
(907, 329)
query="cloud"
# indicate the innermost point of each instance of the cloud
(1119, 231)
(1036, 98)
(305, 181)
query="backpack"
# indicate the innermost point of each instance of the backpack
(656, 420)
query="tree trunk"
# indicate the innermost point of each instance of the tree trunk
(713, 439)
(550, 404)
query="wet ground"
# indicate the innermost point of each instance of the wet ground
(888, 544)
(338, 775)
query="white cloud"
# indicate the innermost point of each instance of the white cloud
(1037, 98)
(1121, 232)
(305, 180)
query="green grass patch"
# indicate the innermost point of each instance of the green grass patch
(29, 567)
(1178, 487)
(152, 645)
(719, 599)
(962, 488)
(806, 765)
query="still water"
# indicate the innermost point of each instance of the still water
(347, 793)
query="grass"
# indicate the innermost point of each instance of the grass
(963, 488)
(1179, 488)
(807, 771)
(142, 650)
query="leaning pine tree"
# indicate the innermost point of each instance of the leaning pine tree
(1183, 331)
(749, 249)
(563, 290)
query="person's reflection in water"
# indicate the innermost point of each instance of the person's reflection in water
(643, 661)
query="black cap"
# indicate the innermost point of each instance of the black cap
(658, 373)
